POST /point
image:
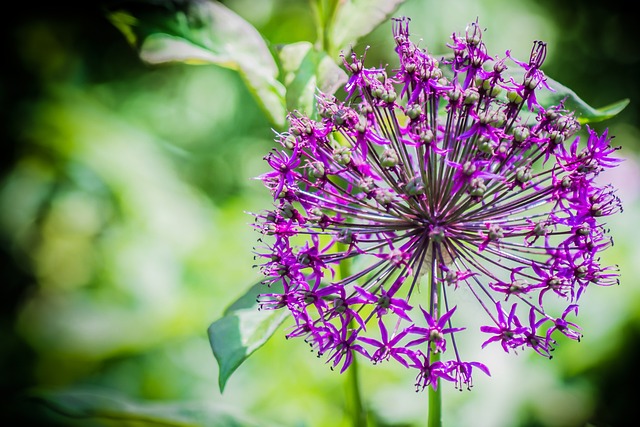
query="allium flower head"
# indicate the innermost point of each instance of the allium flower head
(443, 175)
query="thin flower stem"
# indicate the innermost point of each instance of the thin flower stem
(358, 414)
(435, 396)
(354, 397)
(435, 400)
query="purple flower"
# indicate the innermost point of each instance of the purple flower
(463, 373)
(435, 331)
(508, 330)
(441, 175)
(430, 372)
(342, 347)
(386, 346)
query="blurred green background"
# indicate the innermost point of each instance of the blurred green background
(123, 231)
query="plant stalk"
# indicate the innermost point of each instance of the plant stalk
(435, 396)
(354, 397)
(358, 414)
(435, 400)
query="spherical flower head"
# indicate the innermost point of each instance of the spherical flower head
(440, 176)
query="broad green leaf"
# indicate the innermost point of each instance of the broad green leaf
(331, 76)
(356, 18)
(298, 64)
(584, 113)
(206, 32)
(83, 407)
(305, 69)
(242, 330)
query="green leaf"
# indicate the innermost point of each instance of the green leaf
(356, 18)
(206, 32)
(331, 76)
(584, 113)
(323, 13)
(88, 406)
(242, 330)
(305, 69)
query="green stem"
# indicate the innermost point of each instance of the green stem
(435, 396)
(354, 397)
(324, 12)
(435, 400)
(358, 414)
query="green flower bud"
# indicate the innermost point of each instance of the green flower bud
(485, 145)
(289, 142)
(339, 117)
(426, 136)
(494, 91)
(414, 111)
(584, 230)
(366, 184)
(468, 168)
(342, 155)
(389, 96)
(287, 210)
(540, 229)
(415, 186)
(495, 232)
(514, 97)
(309, 297)
(517, 286)
(471, 96)
(384, 301)
(454, 94)
(521, 133)
(382, 196)
(523, 174)
(389, 158)
(477, 187)
(315, 170)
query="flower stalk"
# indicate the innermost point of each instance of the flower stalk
(435, 403)
(358, 411)
(354, 395)
(435, 392)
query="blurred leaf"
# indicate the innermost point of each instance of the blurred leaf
(584, 113)
(304, 69)
(206, 32)
(323, 13)
(242, 330)
(355, 19)
(330, 76)
(82, 407)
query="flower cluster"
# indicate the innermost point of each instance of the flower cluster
(440, 175)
